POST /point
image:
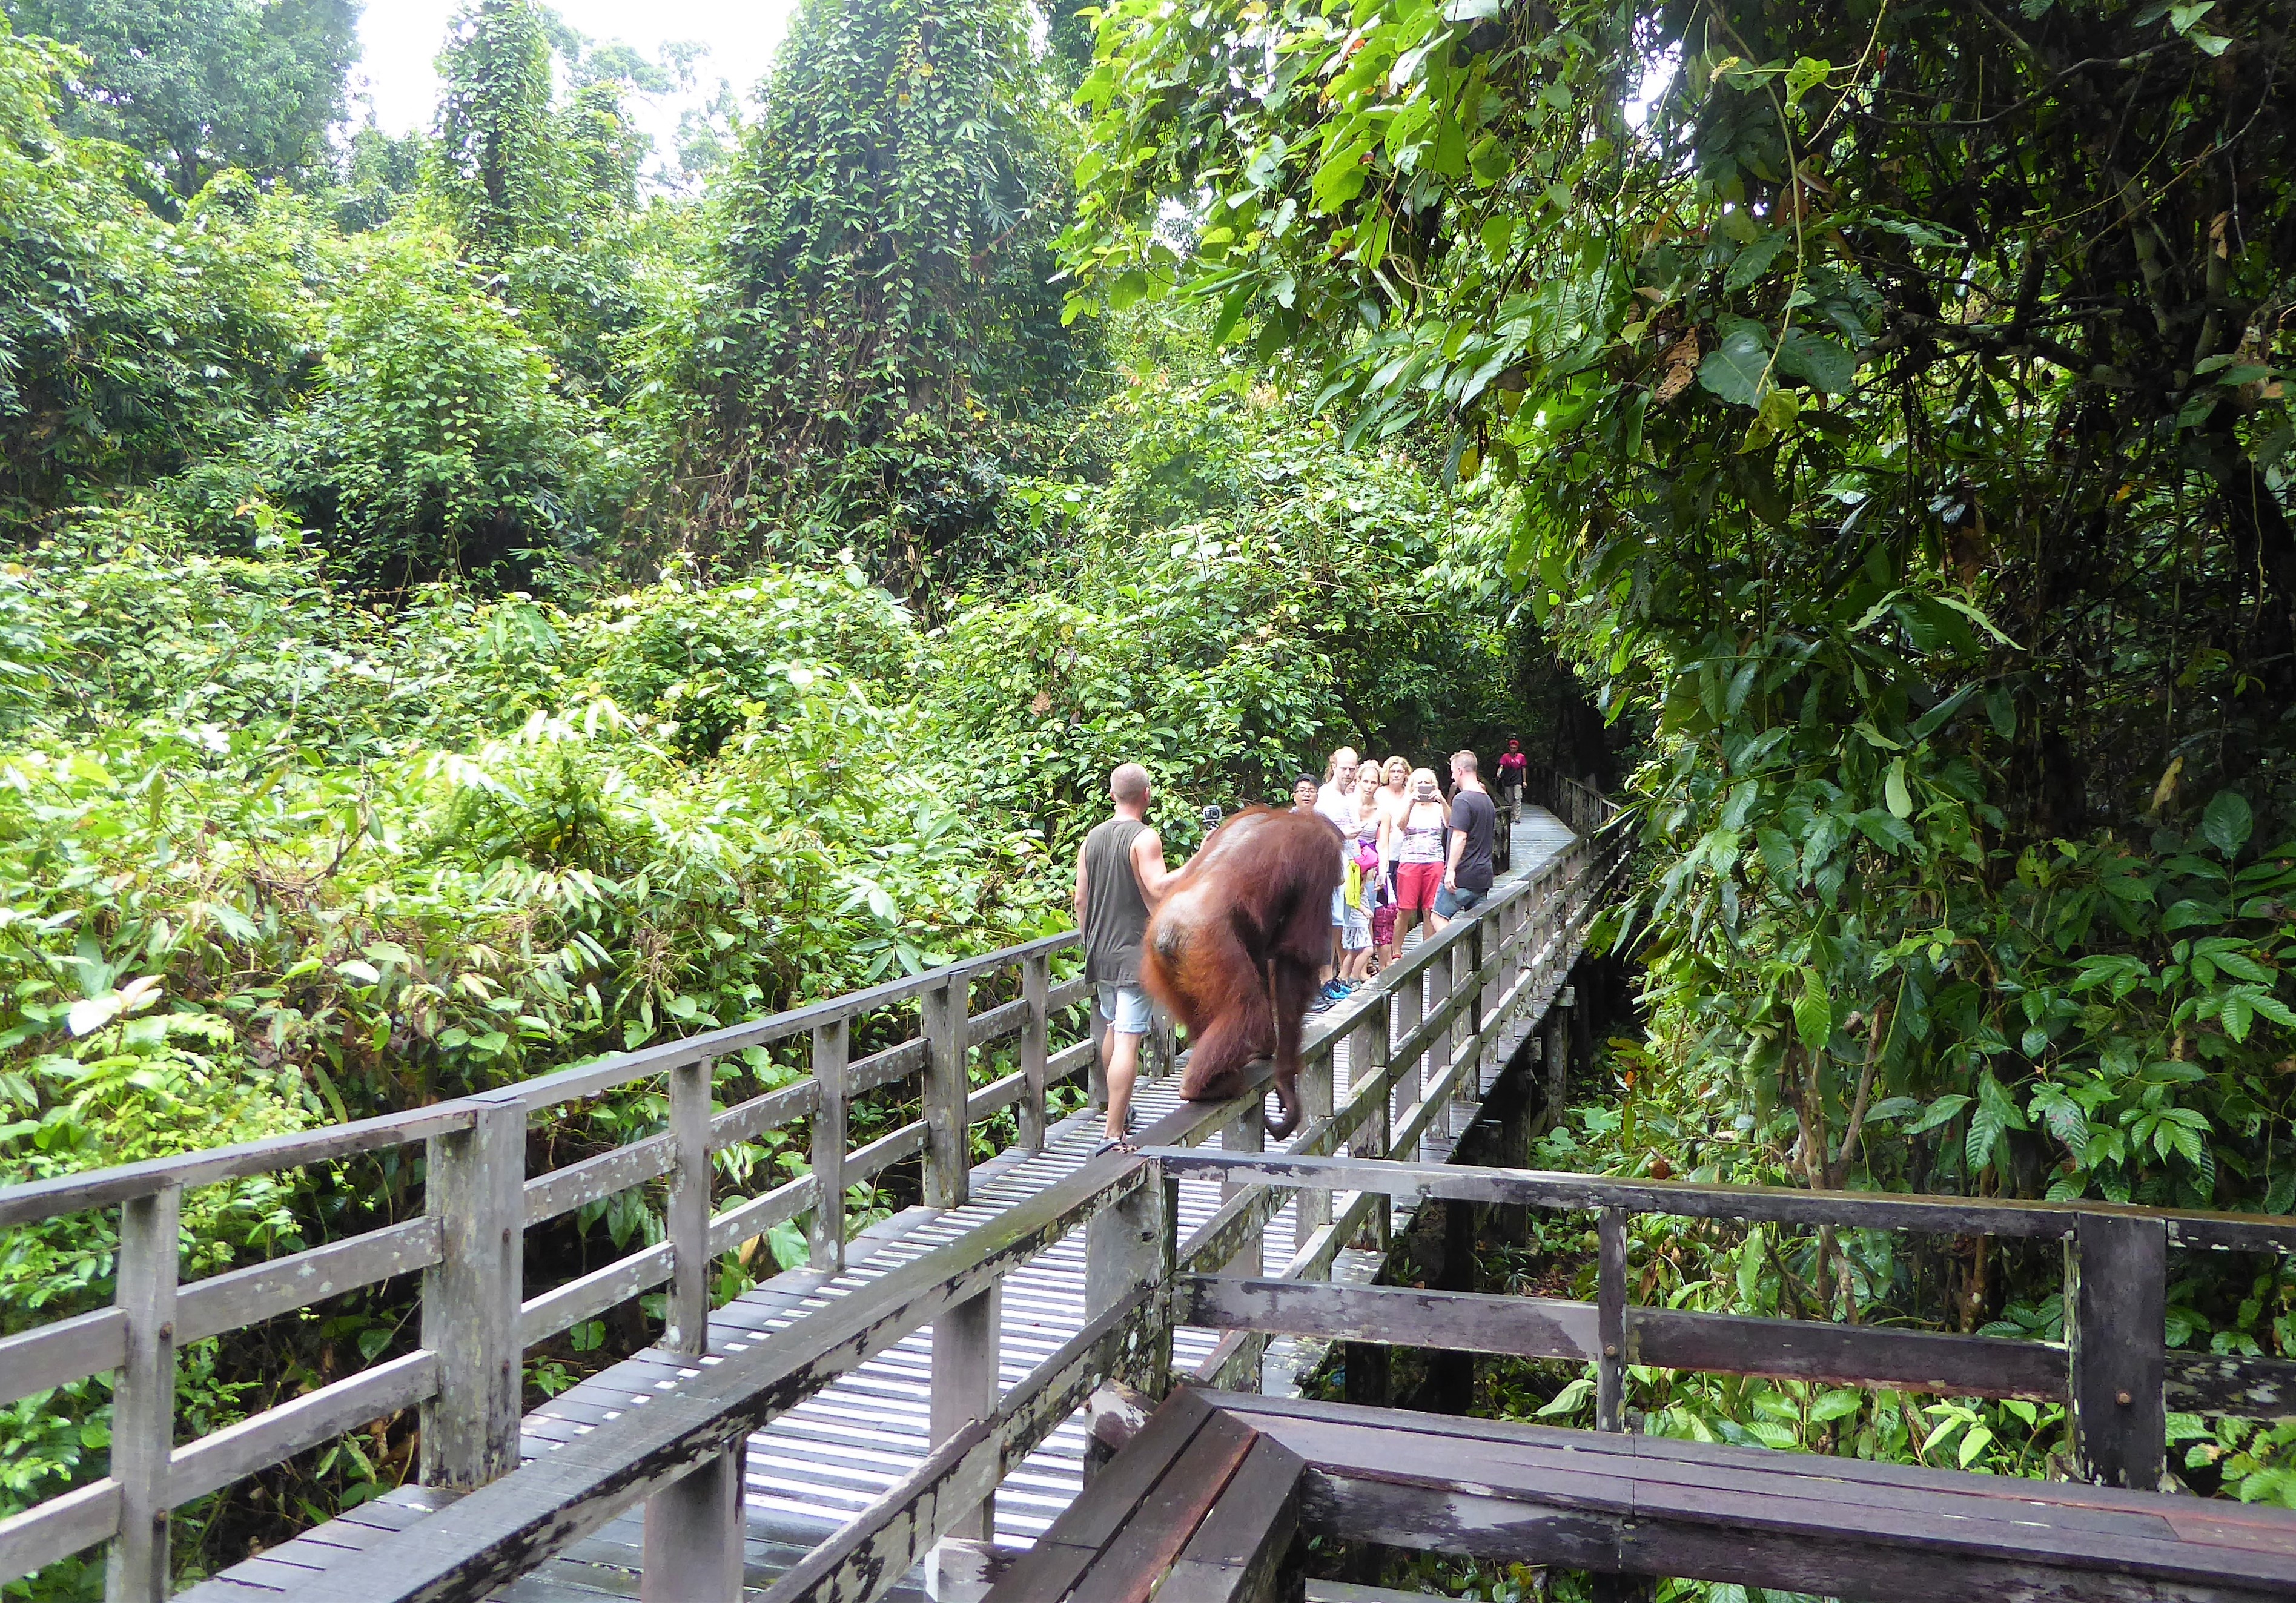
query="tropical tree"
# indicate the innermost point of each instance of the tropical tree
(882, 283)
(1895, 401)
(198, 86)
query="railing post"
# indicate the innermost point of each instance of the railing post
(143, 1396)
(1367, 1065)
(476, 1185)
(1247, 1132)
(947, 1142)
(2116, 1301)
(694, 1532)
(1317, 1070)
(966, 1349)
(1166, 1058)
(1133, 1242)
(687, 1334)
(831, 1046)
(1557, 1053)
(1610, 1317)
(1036, 1038)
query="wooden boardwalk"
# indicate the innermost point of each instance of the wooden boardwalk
(818, 1465)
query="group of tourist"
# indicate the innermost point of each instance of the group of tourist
(1407, 852)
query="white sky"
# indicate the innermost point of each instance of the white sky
(399, 39)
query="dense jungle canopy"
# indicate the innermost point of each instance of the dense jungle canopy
(487, 598)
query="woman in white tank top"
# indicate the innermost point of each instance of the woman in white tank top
(1423, 837)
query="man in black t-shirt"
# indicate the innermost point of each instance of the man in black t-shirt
(1474, 824)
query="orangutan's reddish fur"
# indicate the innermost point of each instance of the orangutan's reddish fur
(1234, 947)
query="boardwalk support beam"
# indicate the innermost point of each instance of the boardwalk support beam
(965, 1353)
(694, 1529)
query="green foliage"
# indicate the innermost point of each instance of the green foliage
(200, 85)
(1238, 596)
(436, 439)
(492, 156)
(879, 303)
(127, 344)
(1949, 601)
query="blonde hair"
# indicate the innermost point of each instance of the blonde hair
(1390, 763)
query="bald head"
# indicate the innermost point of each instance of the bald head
(1129, 785)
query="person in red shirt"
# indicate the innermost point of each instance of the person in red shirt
(1514, 769)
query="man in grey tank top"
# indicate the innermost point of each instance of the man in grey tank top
(1120, 877)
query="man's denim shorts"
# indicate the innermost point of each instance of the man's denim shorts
(1126, 1009)
(1450, 903)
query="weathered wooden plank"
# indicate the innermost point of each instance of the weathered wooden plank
(1035, 990)
(1162, 1522)
(686, 1218)
(747, 1121)
(1867, 1210)
(758, 1215)
(500, 1530)
(948, 1150)
(246, 1297)
(58, 1528)
(1368, 1480)
(1915, 1361)
(885, 1151)
(1240, 1220)
(88, 1344)
(1047, 1570)
(563, 1190)
(1611, 1311)
(143, 1396)
(825, 1240)
(1069, 1061)
(2248, 1388)
(997, 1023)
(218, 1459)
(967, 1342)
(1468, 1435)
(995, 1095)
(586, 1080)
(1234, 1554)
(545, 1316)
(693, 1530)
(1520, 1327)
(102, 1187)
(885, 1067)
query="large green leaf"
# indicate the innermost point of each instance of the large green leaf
(2227, 823)
(1734, 370)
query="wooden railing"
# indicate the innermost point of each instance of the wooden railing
(1430, 1025)
(1428, 1029)
(477, 1322)
(2113, 1371)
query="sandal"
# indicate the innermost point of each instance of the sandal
(1115, 1144)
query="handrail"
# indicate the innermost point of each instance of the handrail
(2004, 1216)
(469, 1244)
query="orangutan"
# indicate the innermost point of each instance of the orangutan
(1234, 946)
